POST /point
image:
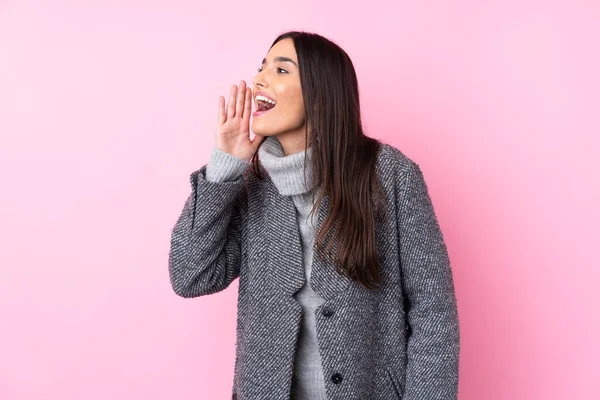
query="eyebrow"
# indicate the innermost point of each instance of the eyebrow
(281, 59)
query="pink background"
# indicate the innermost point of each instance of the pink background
(106, 107)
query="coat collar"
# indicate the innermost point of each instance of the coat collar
(285, 270)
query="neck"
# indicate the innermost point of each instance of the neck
(286, 171)
(292, 142)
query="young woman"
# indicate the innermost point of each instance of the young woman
(345, 285)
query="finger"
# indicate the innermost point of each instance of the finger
(239, 108)
(221, 117)
(247, 105)
(231, 102)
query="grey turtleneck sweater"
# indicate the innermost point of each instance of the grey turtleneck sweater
(287, 174)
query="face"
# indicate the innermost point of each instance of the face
(279, 79)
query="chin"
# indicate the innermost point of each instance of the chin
(261, 132)
(258, 129)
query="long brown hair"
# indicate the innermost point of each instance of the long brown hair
(343, 157)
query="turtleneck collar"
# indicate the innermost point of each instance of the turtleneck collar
(286, 172)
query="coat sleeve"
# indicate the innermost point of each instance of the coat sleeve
(206, 242)
(433, 342)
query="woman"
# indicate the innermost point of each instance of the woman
(345, 286)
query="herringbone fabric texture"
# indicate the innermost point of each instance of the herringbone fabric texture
(400, 341)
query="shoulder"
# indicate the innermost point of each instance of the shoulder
(394, 163)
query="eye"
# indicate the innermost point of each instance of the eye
(259, 70)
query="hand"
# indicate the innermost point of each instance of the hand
(233, 124)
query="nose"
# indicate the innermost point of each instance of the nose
(258, 80)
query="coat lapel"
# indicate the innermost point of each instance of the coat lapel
(284, 255)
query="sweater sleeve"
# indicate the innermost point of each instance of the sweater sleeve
(207, 249)
(430, 301)
(224, 167)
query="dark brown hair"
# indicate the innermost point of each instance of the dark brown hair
(343, 157)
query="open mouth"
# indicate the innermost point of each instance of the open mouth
(264, 103)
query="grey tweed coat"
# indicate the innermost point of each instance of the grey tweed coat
(400, 341)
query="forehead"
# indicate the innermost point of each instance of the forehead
(283, 48)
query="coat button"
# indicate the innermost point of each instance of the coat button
(336, 378)
(326, 311)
